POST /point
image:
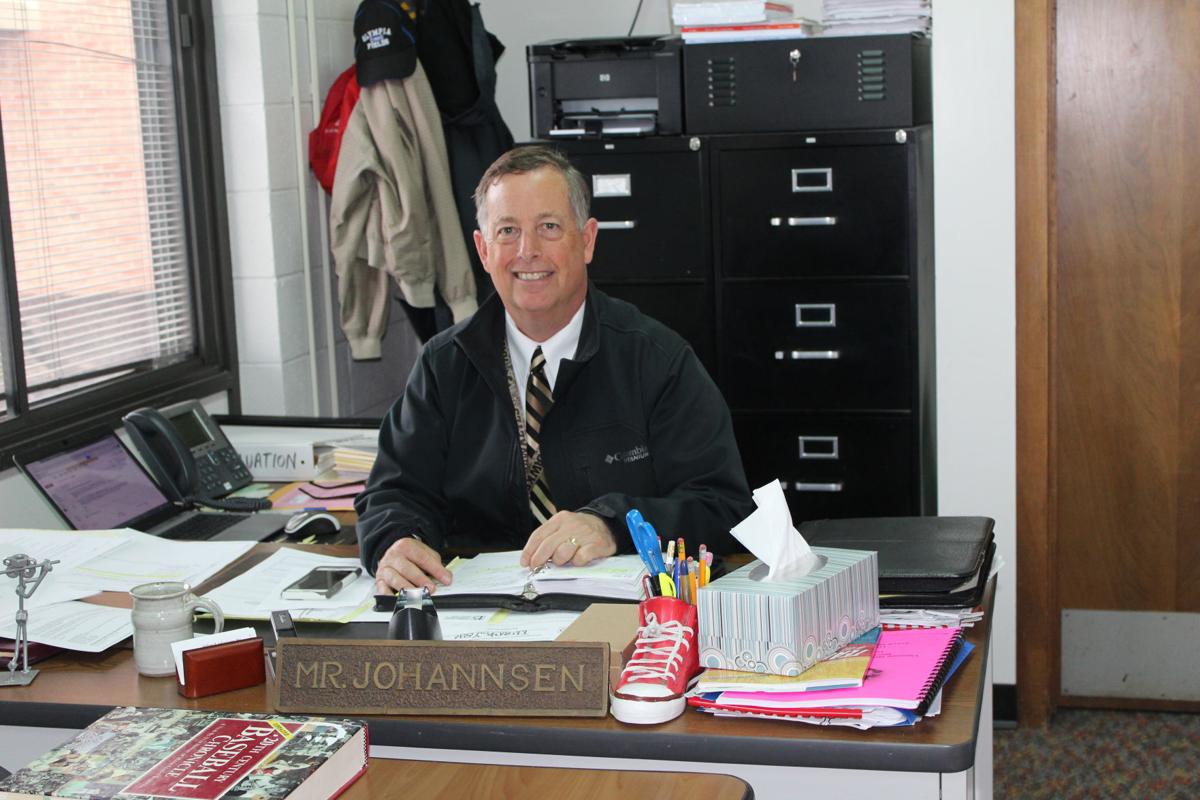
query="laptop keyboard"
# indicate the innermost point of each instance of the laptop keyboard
(202, 526)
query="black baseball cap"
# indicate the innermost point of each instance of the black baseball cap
(385, 40)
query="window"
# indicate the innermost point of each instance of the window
(111, 238)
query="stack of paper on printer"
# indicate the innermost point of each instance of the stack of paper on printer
(95, 561)
(497, 580)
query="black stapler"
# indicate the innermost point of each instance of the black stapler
(415, 617)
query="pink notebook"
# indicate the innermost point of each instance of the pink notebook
(906, 672)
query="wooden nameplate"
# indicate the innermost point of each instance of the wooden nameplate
(529, 679)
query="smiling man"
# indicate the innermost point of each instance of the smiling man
(540, 421)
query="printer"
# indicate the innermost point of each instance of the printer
(605, 87)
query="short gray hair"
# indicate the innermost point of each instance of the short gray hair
(527, 159)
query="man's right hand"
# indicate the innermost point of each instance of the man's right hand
(410, 563)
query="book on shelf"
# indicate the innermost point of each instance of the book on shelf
(497, 580)
(845, 669)
(201, 755)
(907, 671)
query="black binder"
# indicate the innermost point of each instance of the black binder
(923, 561)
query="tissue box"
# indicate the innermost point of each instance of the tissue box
(785, 627)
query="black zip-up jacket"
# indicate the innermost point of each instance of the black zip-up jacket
(636, 423)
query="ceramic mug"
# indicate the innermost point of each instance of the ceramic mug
(162, 614)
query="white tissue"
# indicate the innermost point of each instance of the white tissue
(768, 533)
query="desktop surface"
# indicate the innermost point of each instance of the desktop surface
(73, 690)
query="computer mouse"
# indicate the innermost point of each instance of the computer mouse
(311, 523)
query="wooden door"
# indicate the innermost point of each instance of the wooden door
(1127, 353)
(1113, 500)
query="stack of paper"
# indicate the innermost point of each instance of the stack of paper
(843, 670)
(870, 17)
(908, 670)
(729, 12)
(351, 461)
(707, 22)
(96, 561)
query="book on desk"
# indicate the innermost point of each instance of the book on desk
(159, 752)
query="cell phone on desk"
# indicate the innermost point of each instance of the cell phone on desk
(321, 583)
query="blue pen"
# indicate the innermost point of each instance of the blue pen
(633, 520)
(646, 541)
(652, 540)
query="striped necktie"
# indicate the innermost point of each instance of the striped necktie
(538, 400)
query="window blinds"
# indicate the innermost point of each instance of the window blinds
(91, 148)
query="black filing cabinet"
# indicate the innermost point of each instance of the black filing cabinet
(800, 267)
(651, 199)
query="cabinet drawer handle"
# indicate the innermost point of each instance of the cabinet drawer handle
(816, 315)
(617, 224)
(819, 172)
(802, 486)
(807, 355)
(799, 222)
(818, 446)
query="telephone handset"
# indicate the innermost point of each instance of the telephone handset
(188, 455)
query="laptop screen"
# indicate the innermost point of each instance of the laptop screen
(97, 486)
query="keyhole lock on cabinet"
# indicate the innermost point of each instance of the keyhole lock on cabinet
(794, 57)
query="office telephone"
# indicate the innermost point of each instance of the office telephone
(188, 455)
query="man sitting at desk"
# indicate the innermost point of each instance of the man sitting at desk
(541, 420)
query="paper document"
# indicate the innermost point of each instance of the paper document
(144, 558)
(491, 625)
(75, 626)
(618, 577)
(255, 593)
(70, 548)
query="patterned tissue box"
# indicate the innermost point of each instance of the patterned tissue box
(785, 627)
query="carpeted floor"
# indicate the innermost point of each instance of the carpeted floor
(1100, 754)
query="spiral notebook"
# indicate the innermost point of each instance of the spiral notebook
(908, 669)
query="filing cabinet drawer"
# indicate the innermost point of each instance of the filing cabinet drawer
(836, 466)
(651, 212)
(817, 345)
(814, 211)
(686, 309)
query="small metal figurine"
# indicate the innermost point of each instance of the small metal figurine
(24, 569)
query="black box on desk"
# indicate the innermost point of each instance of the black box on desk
(815, 83)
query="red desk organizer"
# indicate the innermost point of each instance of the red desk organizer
(223, 668)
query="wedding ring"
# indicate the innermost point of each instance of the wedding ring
(574, 541)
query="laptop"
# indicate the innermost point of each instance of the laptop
(100, 485)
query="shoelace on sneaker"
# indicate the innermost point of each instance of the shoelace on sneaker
(657, 656)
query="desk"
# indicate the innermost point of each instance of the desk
(432, 780)
(946, 757)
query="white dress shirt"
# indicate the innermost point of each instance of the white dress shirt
(559, 346)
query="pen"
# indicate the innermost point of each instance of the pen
(633, 521)
(692, 580)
